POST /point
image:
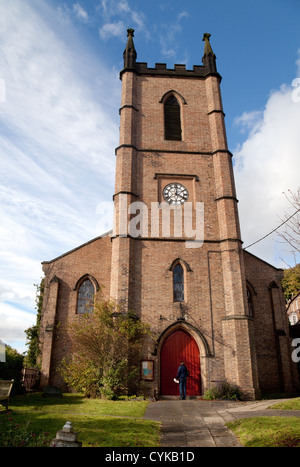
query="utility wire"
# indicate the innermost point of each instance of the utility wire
(272, 230)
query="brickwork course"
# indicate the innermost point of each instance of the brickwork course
(233, 306)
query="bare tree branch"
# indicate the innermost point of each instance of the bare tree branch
(291, 232)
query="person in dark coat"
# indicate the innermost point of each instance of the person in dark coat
(182, 375)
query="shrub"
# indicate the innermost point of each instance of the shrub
(12, 369)
(224, 390)
(106, 352)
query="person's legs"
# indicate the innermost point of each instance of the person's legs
(184, 388)
(181, 382)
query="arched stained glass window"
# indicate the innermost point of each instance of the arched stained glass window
(178, 283)
(172, 119)
(85, 297)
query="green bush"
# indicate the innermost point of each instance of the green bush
(224, 390)
(106, 352)
(12, 369)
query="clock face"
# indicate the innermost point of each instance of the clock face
(175, 193)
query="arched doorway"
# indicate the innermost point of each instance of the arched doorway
(180, 345)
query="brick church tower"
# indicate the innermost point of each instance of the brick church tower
(173, 150)
(175, 255)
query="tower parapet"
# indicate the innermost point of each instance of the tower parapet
(130, 63)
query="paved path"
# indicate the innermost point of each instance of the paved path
(198, 423)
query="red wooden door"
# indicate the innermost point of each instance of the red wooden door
(179, 346)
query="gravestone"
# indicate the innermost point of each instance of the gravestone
(51, 391)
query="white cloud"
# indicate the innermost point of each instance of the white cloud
(64, 15)
(105, 214)
(168, 36)
(80, 12)
(266, 165)
(183, 14)
(112, 30)
(139, 22)
(59, 129)
(249, 121)
(123, 6)
(116, 15)
(13, 322)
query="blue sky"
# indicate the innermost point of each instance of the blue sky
(59, 100)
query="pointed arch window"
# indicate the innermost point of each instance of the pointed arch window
(172, 119)
(85, 297)
(178, 283)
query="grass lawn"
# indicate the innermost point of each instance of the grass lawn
(270, 431)
(291, 404)
(267, 431)
(34, 420)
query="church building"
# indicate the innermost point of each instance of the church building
(175, 256)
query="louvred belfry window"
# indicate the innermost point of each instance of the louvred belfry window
(172, 119)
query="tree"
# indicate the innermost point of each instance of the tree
(291, 230)
(291, 282)
(32, 333)
(106, 351)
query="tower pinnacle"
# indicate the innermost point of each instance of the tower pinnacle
(207, 47)
(129, 54)
(209, 58)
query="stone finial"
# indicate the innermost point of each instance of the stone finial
(206, 35)
(130, 32)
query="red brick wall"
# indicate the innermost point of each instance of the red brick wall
(60, 300)
(271, 333)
